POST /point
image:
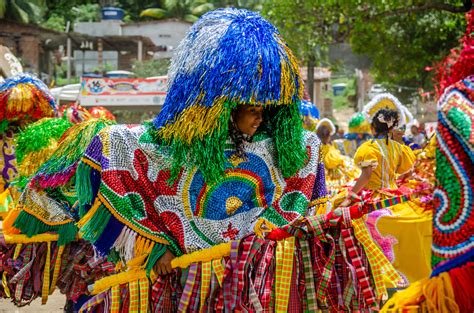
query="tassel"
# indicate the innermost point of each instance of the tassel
(57, 267)
(45, 290)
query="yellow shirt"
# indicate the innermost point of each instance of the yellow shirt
(387, 160)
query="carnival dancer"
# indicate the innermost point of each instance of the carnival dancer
(404, 230)
(359, 132)
(23, 99)
(310, 114)
(194, 193)
(340, 169)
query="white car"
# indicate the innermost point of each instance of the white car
(375, 90)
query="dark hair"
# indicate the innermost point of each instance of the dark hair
(381, 128)
(323, 133)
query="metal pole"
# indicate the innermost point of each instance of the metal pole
(140, 50)
(68, 53)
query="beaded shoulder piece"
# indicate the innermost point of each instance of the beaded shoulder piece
(129, 174)
(453, 223)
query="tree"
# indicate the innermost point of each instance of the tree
(23, 11)
(186, 10)
(400, 37)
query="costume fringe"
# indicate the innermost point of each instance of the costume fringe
(245, 273)
(31, 225)
(61, 167)
(448, 292)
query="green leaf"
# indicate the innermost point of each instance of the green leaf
(3, 8)
(18, 13)
(190, 18)
(201, 9)
(154, 13)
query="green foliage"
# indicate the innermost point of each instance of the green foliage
(186, 10)
(55, 22)
(400, 37)
(23, 11)
(87, 13)
(150, 68)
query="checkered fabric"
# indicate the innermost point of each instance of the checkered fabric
(188, 289)
(361, 270)
(134, 292)
(23, 274)
(47, 266)
(115, 299)
(310, 292)
(206, 273)
(284, 269)
(218, 269)
(93, 302)
(379, 263)
(144, 294)
(57, 267)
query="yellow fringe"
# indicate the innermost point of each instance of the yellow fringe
(19, 239)
(115, 280)
(57, 267)
(33, 160)
(435, 294)
(46, 273)
(87, 217)
(216, 252)
(189, 124)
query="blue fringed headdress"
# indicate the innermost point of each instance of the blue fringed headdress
(229, 57)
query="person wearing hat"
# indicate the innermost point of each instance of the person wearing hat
(402, 231)
(340, 169)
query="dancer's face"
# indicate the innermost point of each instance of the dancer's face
(248, 118)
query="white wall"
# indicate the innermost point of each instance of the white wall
(163, 33)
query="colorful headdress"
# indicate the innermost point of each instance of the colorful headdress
(358, 124)
(101, 112)
(24, 97)
(37, 142)
(307, 108)
(74, 113)
(384, 101)
(327, 122)
(229, 57)
(409, 119)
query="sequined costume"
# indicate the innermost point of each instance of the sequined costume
(177, 184)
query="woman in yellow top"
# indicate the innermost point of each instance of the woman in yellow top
(402, 231)
(340, 169)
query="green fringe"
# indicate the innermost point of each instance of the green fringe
(92, 230)
(156, 253)
(30, 226)
(83, 186)
(356, 120)
(38, 135)
(288, 137)
(72, 147)
(3, 126)
(207, 154)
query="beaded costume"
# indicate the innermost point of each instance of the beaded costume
(23, 99)
(178, 184)
(450, 286)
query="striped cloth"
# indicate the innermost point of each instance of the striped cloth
(379, 263)
(357, 261)
(206, 273)
(188, 288)
(134, 292)
(144, 294)
(115, 299)
(310, 291)
(284, 270)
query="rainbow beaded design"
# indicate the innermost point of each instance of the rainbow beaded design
(133, 191)
(453, 223)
